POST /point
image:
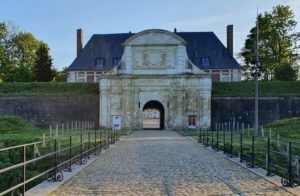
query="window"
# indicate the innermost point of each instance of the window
(205, 61)
(116, 61)
(99, 62)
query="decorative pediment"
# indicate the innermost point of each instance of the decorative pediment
(154, 57)
(155, 52)
(155, 37)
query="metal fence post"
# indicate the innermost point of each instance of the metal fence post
(231, 146)
(107, 137)
(268, 157)
(206, 137)
(212, 138)
(70, 154)
(112, 136)
(95, 143)
(89, 143)
(252, 154)
(81, 154)
(24, 169)
(224, 145)
(217, 140)
(55, 159)
(290, 165)
(241, 149)
(199, 138)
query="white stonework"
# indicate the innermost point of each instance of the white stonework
(155, 69)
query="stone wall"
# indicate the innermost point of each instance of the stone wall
(271, 108)
(45, 110)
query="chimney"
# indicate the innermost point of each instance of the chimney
(79, 41)
(230, 39)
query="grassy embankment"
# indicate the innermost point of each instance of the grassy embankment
(47, 88)
(264, 88)
(226, 88)
(15, 131)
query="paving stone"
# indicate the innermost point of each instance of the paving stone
(164, 163)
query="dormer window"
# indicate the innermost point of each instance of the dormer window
(205, 61)
(116, 61)
(99, 62)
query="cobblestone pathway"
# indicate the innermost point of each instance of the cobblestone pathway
(164, 163)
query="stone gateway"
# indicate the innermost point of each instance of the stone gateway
(155, 85)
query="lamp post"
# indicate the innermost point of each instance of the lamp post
(256, 85)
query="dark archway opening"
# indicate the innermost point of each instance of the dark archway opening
(153, 115)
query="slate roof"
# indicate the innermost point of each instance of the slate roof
(199, 44)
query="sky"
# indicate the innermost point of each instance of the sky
(56, 21)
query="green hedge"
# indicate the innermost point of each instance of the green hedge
(47, 88)
(224, 88)
(264, 88)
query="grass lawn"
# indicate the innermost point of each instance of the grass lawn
(15, 131)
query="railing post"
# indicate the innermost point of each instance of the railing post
(199, 137)
(89, 144)
(70, 154)
(24, 169)
(81, 151)
(212, 138)
(217, 140)
(114, 135)
(108, 137)
(207, 137)
(231, 145)
(252, 154)
(290, 165)
(202, 136)
(55, 159)
(224, 145)
(268, 157)
(241, 149)
(95, 143)
(111, 136)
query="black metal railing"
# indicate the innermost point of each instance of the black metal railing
(276, 156)
(24, 166)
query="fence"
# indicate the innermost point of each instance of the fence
(24, 166)
(277, 156)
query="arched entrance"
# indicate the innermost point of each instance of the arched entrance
(153, 115)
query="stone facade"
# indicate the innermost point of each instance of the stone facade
(155, 72)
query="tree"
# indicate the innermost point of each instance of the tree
(4, 45)
(17, 54)
(61, 76)
(43, 70)
(278, 46)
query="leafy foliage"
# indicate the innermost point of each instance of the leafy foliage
(277, 46)
(43, 71)
(18, 54)
(61, 76)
